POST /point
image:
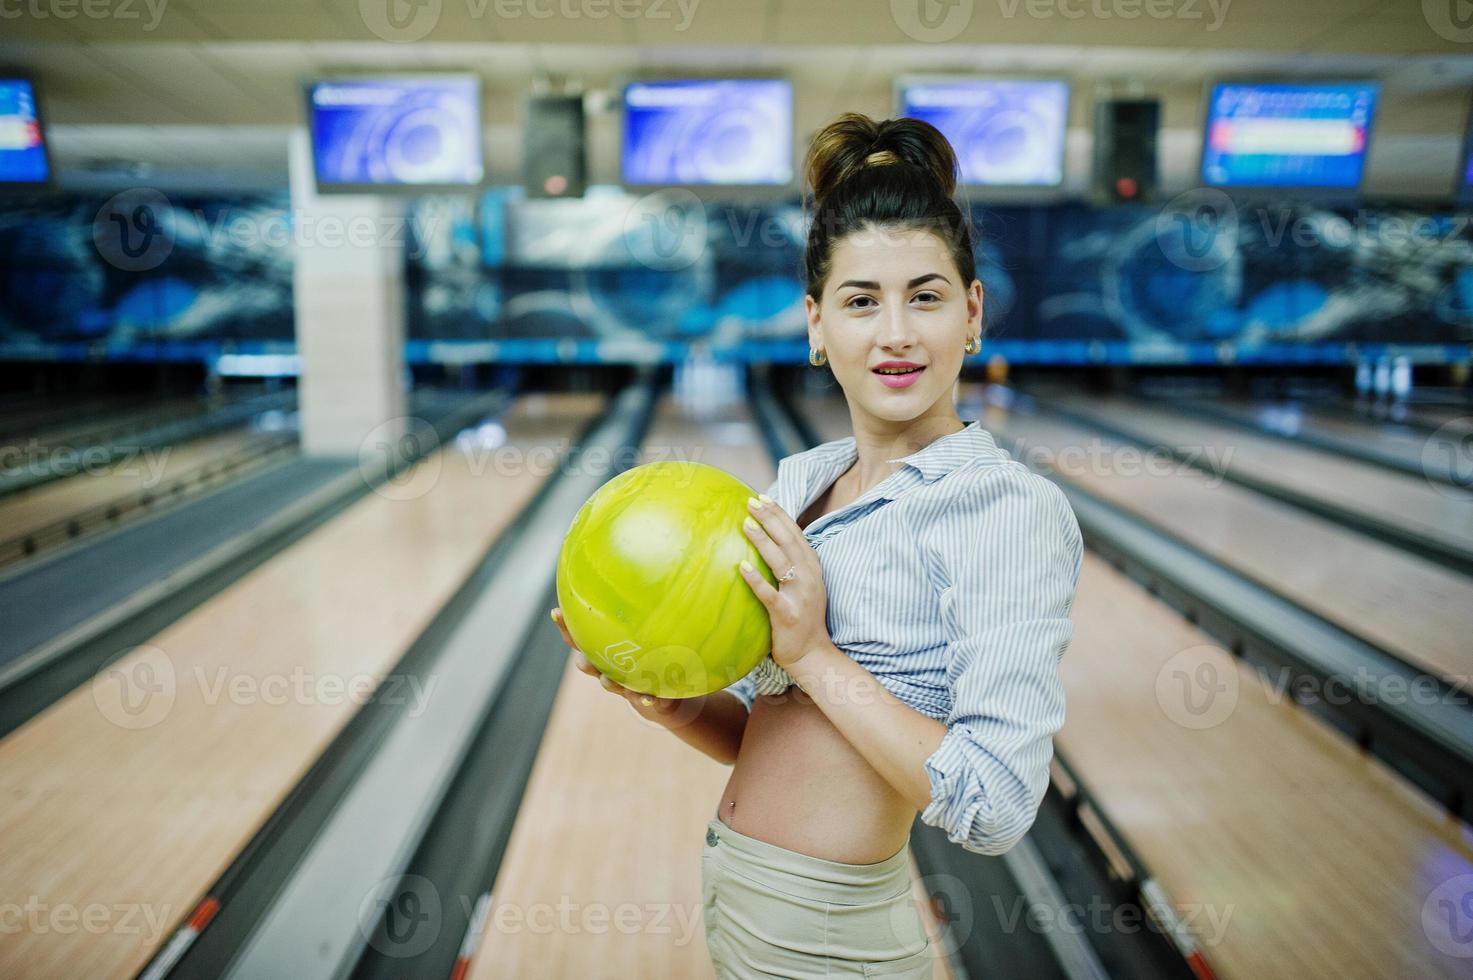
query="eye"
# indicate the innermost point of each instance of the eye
(850, 304)
(928, 296)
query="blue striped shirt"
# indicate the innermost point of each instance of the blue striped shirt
(951, 581)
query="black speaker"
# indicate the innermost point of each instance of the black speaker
(553, 158)
(1125, 148)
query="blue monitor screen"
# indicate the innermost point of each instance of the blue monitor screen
(22, 148)
(1464, 190)
(723, 131)
(409, 132)
(1288, 135)
(1006, 132)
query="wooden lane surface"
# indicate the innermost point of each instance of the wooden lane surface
(85, 432)
(1397, 499)
(1457, 422)
(1414, 608)
(126, 808)
(1290, 851)
(1384, 434)
(56, 411)
(1431, 415)
(612, 825)
(151, 469)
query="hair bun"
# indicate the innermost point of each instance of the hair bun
(855, 142)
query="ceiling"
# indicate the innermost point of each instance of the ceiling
(214, 85)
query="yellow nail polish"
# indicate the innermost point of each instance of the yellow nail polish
(764, 498)
(746, 565)
(749, 524)
(754, 503)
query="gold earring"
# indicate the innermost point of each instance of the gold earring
(817, 357)
(973, 345)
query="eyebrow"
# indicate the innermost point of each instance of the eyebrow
(870, 284)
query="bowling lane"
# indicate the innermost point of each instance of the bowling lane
(1287, 851)
(131, 796)
(1458, 419)
(599, 757)
(1414, 608)
(1402, 445)
(1422, 413)
(79, 434)
(55, 411)
(1397, 500)
(151, 469)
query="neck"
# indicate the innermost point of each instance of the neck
(879, 440)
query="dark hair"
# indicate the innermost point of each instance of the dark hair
(899, 173)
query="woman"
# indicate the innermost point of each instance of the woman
(922, 606)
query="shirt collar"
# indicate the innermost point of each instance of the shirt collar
(945, 454)
(823, 464)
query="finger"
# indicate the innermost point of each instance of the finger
(774, 520)
(583, 663)
(557, 617)
(771, 552)
(764, 592)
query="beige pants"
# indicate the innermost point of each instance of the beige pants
(772, 912)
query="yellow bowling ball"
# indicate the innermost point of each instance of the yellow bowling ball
(649, 585)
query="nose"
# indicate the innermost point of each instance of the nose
(895, 329)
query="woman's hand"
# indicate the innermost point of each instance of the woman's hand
(797, 608)
(646, 704)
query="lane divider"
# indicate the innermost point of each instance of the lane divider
(182, 939)
(472, 940)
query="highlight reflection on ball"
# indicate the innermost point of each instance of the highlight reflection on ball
(649, 585)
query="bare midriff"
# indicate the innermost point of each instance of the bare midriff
(799, 784)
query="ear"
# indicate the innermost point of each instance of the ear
(815, 329)
(974, 308)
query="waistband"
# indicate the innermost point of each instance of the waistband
(813, 877)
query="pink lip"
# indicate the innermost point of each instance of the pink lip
(899, 380)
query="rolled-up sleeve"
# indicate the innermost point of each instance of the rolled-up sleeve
(1009, 553)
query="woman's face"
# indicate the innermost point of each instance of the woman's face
(895, 296)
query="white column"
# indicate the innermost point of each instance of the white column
(348, 295)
